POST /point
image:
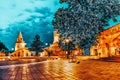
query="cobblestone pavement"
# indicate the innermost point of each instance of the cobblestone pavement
(63, 70)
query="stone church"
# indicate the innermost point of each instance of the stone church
(108, 43)
(55, 49)
(20, 49)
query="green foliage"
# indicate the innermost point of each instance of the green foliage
(3, 48)
(83, 19)
(37, 45)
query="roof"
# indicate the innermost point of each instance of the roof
(20, 38)
(111, 30)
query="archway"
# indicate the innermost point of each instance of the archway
(18, 54)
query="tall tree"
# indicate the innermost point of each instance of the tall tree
(68, 46)
(3, 48)
(83, 19)
(37, 45)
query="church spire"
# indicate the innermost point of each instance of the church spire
(20, 38)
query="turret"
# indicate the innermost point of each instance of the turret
(20, 43)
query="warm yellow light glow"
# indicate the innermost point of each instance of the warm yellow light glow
(67, 40)
(8, 57)
(3, 59)
(107, 43)
(23, 45)
(20, 49)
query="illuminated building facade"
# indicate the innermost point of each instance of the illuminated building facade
(20, 49)
(108, 43)
(55, 49)
(2, 54)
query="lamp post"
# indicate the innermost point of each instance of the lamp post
(67, 41)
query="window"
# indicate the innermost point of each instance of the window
(18, 54)
(27, 54)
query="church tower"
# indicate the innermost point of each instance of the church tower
(56, 37)
(20, 49)
(20, 43)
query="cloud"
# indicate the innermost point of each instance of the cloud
(30, 16)
(30, 27)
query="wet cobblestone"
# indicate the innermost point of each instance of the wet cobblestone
(63, 70)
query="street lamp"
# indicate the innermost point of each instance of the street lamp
(67, 41)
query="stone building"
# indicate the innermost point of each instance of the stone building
(55, 49)
(2, 54)
(108, 43)
(20, 49)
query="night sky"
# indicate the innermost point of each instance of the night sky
(31, 17)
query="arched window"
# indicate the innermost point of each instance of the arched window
(18, 54)
(26, 54)
(96, 53)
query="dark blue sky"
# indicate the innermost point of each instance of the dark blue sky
(31, 17)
